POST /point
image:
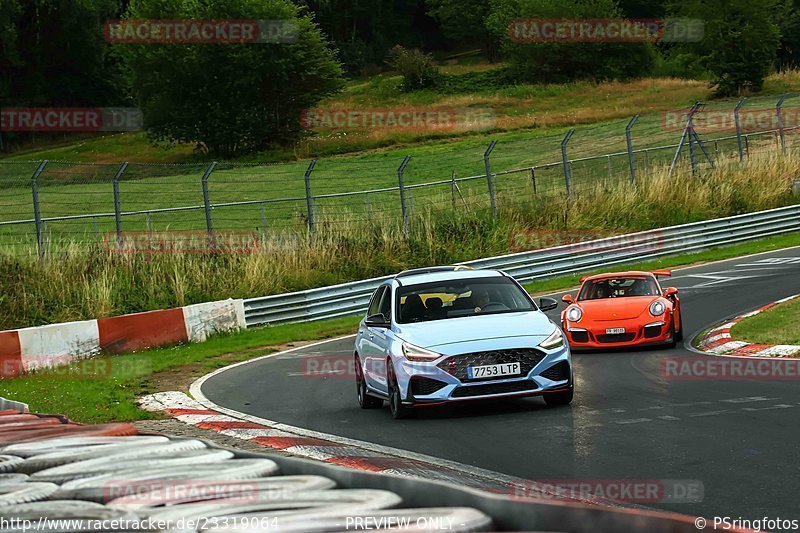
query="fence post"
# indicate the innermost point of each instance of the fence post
(309, 199)
(738, 121)
(779, 110)
(117, 204)
(37, 215)
(488, 165)
(207, 205)
(453, 188)
(629, 142)
(565, 161)
(402, 186)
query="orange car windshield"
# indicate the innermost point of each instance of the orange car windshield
(601, 289)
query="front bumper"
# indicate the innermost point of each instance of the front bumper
(430, 384)
(594, 336)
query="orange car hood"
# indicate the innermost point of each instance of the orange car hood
(616, 308)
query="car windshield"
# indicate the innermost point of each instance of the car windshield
(627, 287)
(460, 298)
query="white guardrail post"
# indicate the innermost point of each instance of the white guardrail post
(352, 298)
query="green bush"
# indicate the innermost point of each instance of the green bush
(419, 70)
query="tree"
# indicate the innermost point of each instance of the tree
(740, 42)
(229, 98)
(787, 18)
(562, 60)
(54, 53)
(464, 21)
(365, 30)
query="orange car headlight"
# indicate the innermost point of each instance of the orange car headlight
(658, 308)
(574, 314)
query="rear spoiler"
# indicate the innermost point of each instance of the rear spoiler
(662, 273)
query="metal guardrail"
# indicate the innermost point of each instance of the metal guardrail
(353, 298)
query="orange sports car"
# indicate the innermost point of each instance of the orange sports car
(623, 310)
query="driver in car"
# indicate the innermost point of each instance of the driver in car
(481, 298)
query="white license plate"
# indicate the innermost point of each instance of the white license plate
(616, 331)
(494, 371)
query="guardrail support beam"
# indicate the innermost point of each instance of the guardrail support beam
(629, 142)
(779, 112)
(565, 161)
(117, 204)
(738, 120)
(207, 206)
(488, 164)
(401, 184)
(37, 214)
(309, 198)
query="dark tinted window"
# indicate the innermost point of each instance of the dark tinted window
(460, 298)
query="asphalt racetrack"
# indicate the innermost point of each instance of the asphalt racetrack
(740, 438)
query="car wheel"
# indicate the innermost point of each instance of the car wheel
(679, 334)
(364, 400)
(560, 398)
(396, 406)
(675, 338)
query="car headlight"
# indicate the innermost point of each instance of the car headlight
(555, 340)
(415, 353)
(658, 308)
(574, 314)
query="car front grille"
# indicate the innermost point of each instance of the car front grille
(652, 332)
(457, 365)
(559, 372)
(422, 386)
(609, 339)
(494, 388)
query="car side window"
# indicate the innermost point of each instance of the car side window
(375, 303)
(385, 307)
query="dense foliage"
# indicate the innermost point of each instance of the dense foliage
(239, 98)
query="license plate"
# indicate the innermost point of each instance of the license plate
(616, 331)
(494, 371)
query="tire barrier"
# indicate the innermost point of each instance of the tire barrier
(86, 473)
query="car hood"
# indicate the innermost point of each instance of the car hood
(533, 325)
(617, 308)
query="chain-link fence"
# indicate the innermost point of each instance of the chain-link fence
(48, 203)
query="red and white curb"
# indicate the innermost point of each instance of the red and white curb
(718, 341)
(317, 447)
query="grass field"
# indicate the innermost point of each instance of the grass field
(81, 281)
(90, 393)
(779, 325)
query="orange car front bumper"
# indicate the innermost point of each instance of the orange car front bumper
(601, 335)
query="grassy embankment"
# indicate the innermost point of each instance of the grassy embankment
(779, 325)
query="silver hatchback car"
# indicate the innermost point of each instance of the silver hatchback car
(449, 334)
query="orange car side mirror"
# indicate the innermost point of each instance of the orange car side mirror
(567, 299)
(670, 291)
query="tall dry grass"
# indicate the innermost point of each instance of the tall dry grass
(79, 282)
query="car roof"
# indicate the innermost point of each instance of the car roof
(433, 275)
(614, 275)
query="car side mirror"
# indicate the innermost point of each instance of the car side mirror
(548, 304)
(670, 291)
(567, 299)
(378, 321)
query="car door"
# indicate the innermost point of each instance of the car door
(380, 338)
(368, 350)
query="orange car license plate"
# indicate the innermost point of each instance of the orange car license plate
(616, 331)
